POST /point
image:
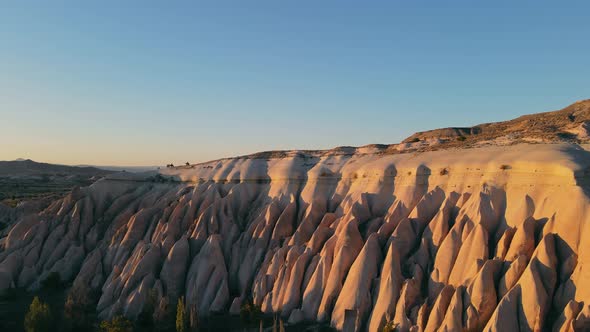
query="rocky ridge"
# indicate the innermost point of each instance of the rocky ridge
(488, 238)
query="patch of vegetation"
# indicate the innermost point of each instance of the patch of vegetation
(38, 318)
(80, 310)
(461, 138)
(145, 319)
(250, 313)
(415, 140)
(11, 202)
(505, 167)
(444, 171)
(16, 190)
(79, 314)
(389, 327)
(158, 178)
(9, 294)
(117, 324)
(181, 316)
(53, 281)
(567, 136)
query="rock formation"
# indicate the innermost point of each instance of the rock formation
(483, 238)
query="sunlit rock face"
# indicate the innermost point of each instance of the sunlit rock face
(477, 239)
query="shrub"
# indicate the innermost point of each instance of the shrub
(38, 318)
(181, 317)
(117, 324)
(505, 167)
(389, 327)
(250, 313)
(567, 136)
(9, 294)
(415, 140)
(145, 319)
(53, 281)
(80, 311)
(461, 138)
(444, 171)
(164, 315)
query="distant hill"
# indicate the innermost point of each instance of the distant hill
(25, 180)
(133, 169)
(570, 124)
(27, 167)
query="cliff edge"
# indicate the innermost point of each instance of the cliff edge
(485, 236)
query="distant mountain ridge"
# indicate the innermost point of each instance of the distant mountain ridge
(28, 167)
(134, 169)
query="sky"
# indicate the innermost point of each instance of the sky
(153, 82)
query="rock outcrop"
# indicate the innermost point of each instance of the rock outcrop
(489, 238)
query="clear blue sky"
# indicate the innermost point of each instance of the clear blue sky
(147, 83)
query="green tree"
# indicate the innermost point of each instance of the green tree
(38, 318)
(117, 324)
(53, 281)
(181, 317)
(145, 320)
(80, 310)
(9, 294)
(250, 313)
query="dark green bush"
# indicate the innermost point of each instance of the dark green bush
(250, 313)
(145, 319)
(53, 281)
(9, 294)
(80, 309)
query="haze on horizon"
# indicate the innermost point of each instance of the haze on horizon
(149, 84)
